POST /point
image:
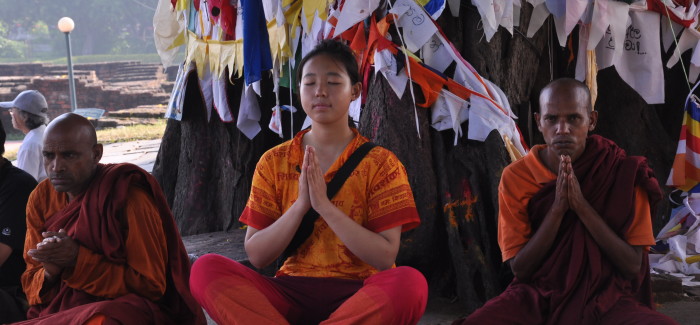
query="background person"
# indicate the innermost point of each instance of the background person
(15, 187)
(29, 115)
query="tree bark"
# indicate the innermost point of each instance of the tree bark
(206, 166)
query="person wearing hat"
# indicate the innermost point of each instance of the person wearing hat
(29, 115)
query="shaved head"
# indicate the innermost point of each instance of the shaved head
(70, 123)
(570, 87)
(565, 119)
(71, 153)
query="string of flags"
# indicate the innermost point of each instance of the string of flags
(400, 41)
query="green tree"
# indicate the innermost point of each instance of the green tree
(101, 26)
(10, 48)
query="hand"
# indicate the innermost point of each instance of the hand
(561, 196)
(303, 196)
(56, 251)
(576, 199)
(316, 182)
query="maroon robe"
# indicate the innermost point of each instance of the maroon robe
(577, 283)
(577, 279)
(94, 219)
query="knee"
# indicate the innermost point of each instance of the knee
(404, 283)
(408, 275)
(208, 268)
(205, 264)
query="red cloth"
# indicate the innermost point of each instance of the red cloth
(576, 283)
(226, 15)
(658, 6)
(93, 219)
(234, 294)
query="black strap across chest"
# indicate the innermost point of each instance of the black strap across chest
(307, 223)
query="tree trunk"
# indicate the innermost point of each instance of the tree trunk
(205, 167)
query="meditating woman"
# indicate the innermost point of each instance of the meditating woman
(341, 250)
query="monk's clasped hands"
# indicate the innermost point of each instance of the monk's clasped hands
(57, 248)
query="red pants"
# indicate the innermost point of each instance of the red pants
(500, 310)
(234, 294)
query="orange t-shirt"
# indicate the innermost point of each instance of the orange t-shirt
(146, 251)
(525, 177)
(377, 195)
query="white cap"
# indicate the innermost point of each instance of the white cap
(30, 101)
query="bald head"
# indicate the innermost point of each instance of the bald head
(75, 125)
(566, 87)
(71, 153)
(565, 118)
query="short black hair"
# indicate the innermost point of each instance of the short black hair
(338, 51)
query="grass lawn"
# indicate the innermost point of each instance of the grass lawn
(132, 133)
(120, 134)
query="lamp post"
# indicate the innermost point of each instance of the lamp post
(66, 25)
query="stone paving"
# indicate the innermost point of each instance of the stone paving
(142, 153)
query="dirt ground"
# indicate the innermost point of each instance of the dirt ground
(440, 311)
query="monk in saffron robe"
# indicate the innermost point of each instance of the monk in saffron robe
(101, 245)
(574, 224)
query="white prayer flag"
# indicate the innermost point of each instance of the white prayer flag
(417, 25)
(449, 112)
(639, 63)
(354, 12)
(436, 54)
(249, 112)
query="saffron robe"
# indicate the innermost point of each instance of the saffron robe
(577, 283)
(131, 266)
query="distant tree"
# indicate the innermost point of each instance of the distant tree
(10, 48)
(101, 26)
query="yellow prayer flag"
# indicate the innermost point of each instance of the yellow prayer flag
(182, 5)
(214, 58)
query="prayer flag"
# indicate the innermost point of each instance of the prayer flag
(249, 113)
(685, 173)
(256, 45)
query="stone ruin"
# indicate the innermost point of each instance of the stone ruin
(110, 86)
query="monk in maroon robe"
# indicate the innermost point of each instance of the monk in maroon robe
(574, 224)
(102, 246)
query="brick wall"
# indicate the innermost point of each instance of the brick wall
(91, 89)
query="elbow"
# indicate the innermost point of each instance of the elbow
(633, 268)
(521, 276)
(387, 260)
(631, 273)
(519, 272)
(257, 263)
(384, 266)
(255, 259)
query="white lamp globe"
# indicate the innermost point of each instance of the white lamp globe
(66, 25)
